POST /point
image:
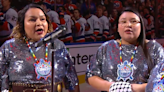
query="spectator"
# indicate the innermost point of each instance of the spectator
(92, 26)
(58, 4)
(8, 20)
(69, 7)
(79, 23)
(105, 13)
(112, 20)
(104, 25)
(65, 19)
(53, 15)
(118, 5)
(150, 23)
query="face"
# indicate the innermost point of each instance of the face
(146, 11)
(129, 27)
(115, 12)
(5, 2)
(106, 13)
(61, 9)
(99, 12)
(35, 24)
(76, 14)
(104, 8)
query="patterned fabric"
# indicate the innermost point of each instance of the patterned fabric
(156, 80)
(17, 64)
(104, 63)
(120, 87)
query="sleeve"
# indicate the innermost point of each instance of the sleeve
(69, 23)
(83, 24)
(71, 79)
(155, 82)
(13, 17)
(3, 68)
(82, 29)
(54, 25)
(106, 26)
(78, 26)
(94, 68)
(55, 18)
(96, 26)
(158, 53)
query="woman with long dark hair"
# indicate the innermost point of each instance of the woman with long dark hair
(124, 64)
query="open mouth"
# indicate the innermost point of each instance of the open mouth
(39, 31)
(128, 31)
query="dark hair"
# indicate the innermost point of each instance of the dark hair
(62, 8)
(141, 39)
(48, 6)
(18, 31)
(100, 6)
(77, 10)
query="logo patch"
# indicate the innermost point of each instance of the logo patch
(42, 69)
(125, 71)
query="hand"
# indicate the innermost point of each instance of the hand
(73, 18)
(138, 87)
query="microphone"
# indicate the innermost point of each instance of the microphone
(51, 36)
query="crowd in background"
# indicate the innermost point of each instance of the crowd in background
(86, 20)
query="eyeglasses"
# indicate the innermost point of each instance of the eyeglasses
(132, 22)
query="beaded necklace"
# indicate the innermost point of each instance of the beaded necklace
(157, 87)
(125, 69)
(162, 77)
(42, 66)
(134, 52)
(46, 53)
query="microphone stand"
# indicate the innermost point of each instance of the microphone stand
(52, 51)
(52, 63)
(51, 39)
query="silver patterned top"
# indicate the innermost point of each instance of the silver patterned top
(17, 64)
(156, 80)
(104, 63)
